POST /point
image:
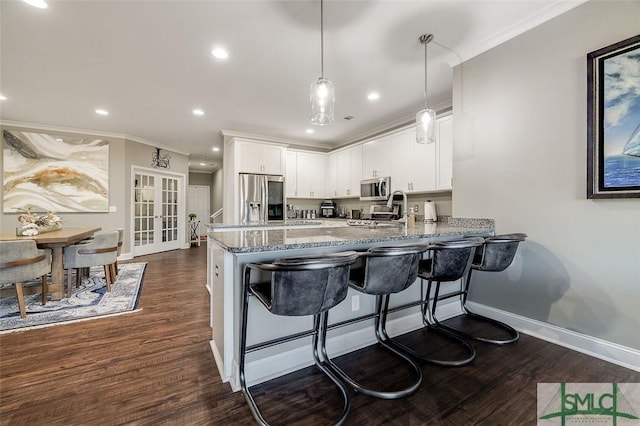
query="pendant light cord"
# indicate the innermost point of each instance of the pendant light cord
(425, 75)
(322, 38)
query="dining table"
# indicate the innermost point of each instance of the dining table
(56, 241)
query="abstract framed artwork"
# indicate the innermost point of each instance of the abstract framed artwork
(613, 144)
(46, 172)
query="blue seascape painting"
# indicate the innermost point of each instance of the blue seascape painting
(621, 145)
(621, 171)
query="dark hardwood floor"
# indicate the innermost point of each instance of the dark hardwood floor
(155, 367)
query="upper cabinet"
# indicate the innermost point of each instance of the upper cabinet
(413, 165)
(348, 172)
(375, 158)
(444, 140)
(305, 179)
(290, 175)
(331, 182)
(256, 157)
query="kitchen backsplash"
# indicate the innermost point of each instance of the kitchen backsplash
(442, 202)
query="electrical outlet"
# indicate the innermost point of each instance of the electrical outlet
(355, 303)
(416, 208)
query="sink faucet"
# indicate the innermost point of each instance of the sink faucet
(404, 205)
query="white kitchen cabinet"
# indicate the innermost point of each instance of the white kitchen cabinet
(256, 157)
(349, 171)
(309, 171)
(331, 182)
(375, 158)
(290, 174)
(444, 141)
(310, 175)
(413, 165)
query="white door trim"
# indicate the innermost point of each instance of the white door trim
(182, 202)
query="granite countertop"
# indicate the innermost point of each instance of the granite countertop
(251, 240)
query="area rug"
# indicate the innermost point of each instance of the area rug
(90, 300)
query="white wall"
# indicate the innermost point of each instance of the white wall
(520, 146)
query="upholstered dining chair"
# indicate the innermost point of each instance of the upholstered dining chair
(120, 241)
(100, 251)
(21, 261)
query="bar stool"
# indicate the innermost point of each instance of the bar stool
(385, 270)
(449, 261)
(298, 286)
(495, 254)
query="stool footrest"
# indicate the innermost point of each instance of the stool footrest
(512, 333)
(469, 349)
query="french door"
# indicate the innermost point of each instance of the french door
(158, 211)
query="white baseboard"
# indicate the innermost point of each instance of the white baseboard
(598, 348)
(125, 256)
(268, 368)
(217, 358)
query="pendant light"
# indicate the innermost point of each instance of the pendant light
(425, 119)
(322, 95)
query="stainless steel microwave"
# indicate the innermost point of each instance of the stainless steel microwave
(376, 189)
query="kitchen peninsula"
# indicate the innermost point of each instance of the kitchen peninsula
(230, 248)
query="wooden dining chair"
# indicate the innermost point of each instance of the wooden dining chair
(22, 261)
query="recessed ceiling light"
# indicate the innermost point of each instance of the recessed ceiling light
(202, 164)
(58, 140)
(215, 148)
(40, 4)
(309, 131)
(102, 112)
(219, 53)
(3, 98)
(373, 96)
(198, 111)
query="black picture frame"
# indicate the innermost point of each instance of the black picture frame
(613, 115)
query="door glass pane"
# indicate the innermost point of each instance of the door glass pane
(169, 209)
(143, 209)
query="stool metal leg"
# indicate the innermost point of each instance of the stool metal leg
(243, 346)
(428, 318)
(319, 342)
(380, 319)
(512, 333)
(324, 364)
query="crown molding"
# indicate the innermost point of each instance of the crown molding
(523, 25)
(60, 129)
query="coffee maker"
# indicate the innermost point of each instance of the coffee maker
(328, 208)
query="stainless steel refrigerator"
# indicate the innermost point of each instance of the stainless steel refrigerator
(261, 198)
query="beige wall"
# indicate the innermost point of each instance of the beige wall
(117, 184)
(123, 154)
(520, 144)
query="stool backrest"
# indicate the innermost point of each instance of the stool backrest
(390, 269)
(498, 252)
(451, 260)
(309, 285)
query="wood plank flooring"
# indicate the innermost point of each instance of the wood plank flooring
(155, 367)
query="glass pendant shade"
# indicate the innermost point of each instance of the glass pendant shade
(426, 126)
(322, 100)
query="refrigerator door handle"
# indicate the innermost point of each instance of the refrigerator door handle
(265, 200)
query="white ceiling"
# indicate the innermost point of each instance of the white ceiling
(149, 64)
